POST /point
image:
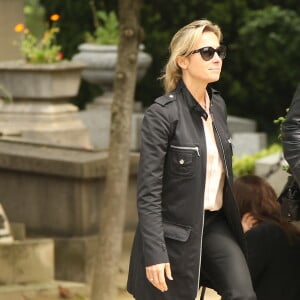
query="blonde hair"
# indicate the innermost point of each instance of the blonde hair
(182, 43)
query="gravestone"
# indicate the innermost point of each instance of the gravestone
(245, 139)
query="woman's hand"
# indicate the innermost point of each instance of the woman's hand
(248, 221)
(156, 275)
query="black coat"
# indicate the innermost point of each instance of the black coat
(274, 264)
(171, 182)
(291, 136)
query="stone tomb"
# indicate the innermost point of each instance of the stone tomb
(56, 192)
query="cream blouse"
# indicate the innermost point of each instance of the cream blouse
(215, 175)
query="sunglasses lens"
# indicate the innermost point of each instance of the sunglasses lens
(221, 52)
(207, 53)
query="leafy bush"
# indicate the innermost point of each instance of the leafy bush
(106, 29)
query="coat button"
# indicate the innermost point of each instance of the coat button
(181, 161)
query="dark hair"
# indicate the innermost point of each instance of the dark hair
(255, 195)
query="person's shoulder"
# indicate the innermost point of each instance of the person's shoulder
(267, 235)
(269, 226)
(269, 230)
(163, 109)
(164, 105)
(167, 98)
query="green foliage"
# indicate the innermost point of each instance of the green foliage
(279, 122)
(268, 47)
(245, 165)
(38, 41)
(40, 50)
(35, 17)
(107, 29)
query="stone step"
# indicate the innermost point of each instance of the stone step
(27, 261)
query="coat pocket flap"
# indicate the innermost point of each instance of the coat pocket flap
(176, 232)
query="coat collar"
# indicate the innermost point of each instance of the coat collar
(187, 96)
(190, 100)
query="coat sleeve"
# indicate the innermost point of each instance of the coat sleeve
(291, 136)
(155, 132)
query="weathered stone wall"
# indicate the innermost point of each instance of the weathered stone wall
(56, 191)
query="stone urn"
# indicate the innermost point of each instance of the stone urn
(40, 110)
(40, 82)
(100, 61)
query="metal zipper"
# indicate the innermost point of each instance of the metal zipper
(186, 148)
(200, 251)
(219, 137)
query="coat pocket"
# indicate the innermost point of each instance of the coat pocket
(177, 238)
(181, 160)
(176, 232)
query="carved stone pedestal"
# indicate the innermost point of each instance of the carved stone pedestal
(47, 123)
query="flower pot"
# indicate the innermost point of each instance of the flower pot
(45, 82)
(40, 111)
(100, 61)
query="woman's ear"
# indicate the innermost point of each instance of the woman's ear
(182, 62)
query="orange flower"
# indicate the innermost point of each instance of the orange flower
(54, 17)
(19, 27)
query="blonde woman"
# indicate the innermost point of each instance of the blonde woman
(189, 232)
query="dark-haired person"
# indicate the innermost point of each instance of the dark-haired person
(273, 242)
(189, 226)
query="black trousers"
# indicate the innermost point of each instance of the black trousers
(223, 262)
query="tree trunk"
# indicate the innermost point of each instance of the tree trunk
(113, 206)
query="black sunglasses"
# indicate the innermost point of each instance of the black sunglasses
(208, 53)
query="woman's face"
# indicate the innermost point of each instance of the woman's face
(195, 68)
